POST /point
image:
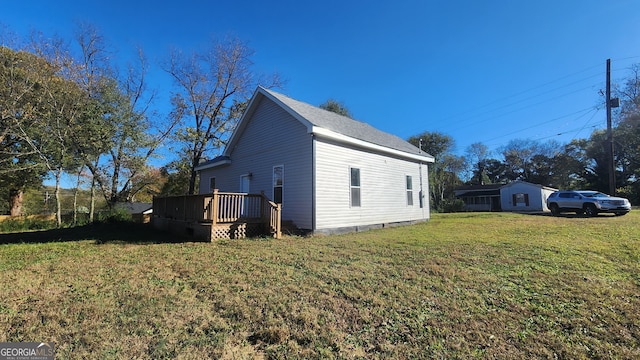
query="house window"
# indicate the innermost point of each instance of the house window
(521, 199)
(409, 191)
(278, 183)
(212, 184)
(355, 187)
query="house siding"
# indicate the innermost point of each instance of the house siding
(382, 188)
(272, 137)
(536, 196)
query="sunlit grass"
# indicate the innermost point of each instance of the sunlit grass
(488, 285)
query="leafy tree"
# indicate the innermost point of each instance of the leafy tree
(50, 137)
(444, 173)
(336, 107)
(176, 175)
(476, 154)
(493, 171)
(627, 137)
(22, 76)
(117, 122)
(211, 92)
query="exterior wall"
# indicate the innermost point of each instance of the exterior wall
(383, 188)
(271, 138)
(537, 196)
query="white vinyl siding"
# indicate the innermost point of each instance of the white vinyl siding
(272, 138)
(524, 196)
(383, 198)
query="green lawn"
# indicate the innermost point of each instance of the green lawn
(470, 285)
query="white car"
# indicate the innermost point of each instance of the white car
(587, 202)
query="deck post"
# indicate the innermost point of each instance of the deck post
(278, 222)
(214, 214)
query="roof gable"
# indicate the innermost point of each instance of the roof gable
(331, 125)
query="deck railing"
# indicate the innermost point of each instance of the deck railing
(220, 208)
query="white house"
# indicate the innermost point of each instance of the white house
(330, 173)
(524, 196)
(514, 196)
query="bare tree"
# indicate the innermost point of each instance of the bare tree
(211, 92)
(475, 155)
(125, 133)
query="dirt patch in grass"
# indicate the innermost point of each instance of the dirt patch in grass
(460, 286)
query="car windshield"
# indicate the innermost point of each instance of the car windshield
(593, 194)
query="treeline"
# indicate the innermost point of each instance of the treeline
(72, 108)
(580, 164)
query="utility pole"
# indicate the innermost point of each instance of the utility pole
(610, 103)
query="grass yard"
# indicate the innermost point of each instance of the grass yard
(470, 285)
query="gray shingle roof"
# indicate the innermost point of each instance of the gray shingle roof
(344, 125)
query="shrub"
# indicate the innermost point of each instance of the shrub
(452, 205)
(114, 215)
(20, 224)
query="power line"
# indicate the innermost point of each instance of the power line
(527, 91)
(583, 112)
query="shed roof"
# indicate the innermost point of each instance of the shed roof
(135, 207)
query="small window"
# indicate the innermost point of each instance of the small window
(409, 191)
(521, 199)
(278, 183)
(212, 184)
(355, 187)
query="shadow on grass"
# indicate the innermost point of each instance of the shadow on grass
(102, 233)
(571, 215)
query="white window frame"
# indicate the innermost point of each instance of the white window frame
(355, 187)
(409, 189)
(274, 186)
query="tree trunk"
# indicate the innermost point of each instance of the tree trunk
(75, 196)
(92, 202)
(192, 182)
(15, 202)
(58, 202)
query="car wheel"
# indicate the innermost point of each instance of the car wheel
(555, 211)
(590, 210)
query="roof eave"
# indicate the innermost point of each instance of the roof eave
(212, 165)
(322, 132)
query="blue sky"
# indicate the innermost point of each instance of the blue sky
(479, 71)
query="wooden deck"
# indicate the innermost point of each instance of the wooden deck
(219, 215)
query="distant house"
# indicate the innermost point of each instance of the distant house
(524, 196)
(330, 173)
(480, 197)
(515, 196)
(140, 212)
